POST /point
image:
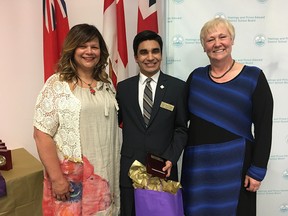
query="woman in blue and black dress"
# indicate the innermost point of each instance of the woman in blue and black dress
(230, 107)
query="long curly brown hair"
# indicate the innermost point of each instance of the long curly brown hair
(80, 34)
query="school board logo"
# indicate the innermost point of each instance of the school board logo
(220, 15)
(178, 1)
(262, 1)
(284, 207)
(285, 173)
(260, 40)
(178, 41)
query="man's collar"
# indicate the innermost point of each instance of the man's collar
(155, 77)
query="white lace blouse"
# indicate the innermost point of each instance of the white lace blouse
(57, 113)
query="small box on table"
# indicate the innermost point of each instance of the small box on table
(5, 157)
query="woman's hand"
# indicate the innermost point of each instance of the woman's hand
(251, 184)
(61, 190)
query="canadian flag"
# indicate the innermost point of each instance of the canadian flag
(114, 33)
(147, 16)
(55, 29)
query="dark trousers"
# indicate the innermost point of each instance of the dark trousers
(127, 201)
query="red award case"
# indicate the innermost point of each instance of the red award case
(5, 157)
(155, 164)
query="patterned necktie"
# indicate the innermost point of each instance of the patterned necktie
(147, 101)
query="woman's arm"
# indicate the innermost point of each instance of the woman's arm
(48, 155)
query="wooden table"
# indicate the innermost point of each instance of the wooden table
(24, 186)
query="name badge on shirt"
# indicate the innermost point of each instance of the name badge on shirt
(167, 106)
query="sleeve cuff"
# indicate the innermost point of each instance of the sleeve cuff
(256, 172)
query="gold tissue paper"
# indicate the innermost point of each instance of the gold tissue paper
(141, 179)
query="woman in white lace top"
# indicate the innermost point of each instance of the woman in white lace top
(76, 130)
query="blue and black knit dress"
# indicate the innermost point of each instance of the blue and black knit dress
(229, 137)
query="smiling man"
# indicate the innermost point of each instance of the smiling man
(157, 125)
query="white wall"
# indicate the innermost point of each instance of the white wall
(21, 70)
(21, 62)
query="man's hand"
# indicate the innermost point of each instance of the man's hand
(168, 168)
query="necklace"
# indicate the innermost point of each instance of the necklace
(219, 77)
(92, 91)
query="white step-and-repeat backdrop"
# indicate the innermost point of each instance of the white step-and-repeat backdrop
(261, 40)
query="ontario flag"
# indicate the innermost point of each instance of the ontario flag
(114, 33)
(55, 29)
(147, 16)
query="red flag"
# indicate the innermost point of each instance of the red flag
(147, 16)
(55, 28)
(114, 33)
